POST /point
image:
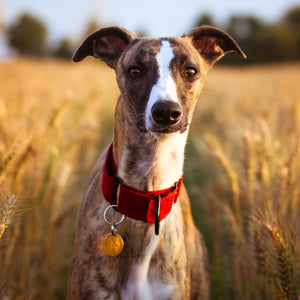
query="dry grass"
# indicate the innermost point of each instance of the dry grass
(54, 119)
(242, 172)
(246, 141)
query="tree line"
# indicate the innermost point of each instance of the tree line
(28, 36)
(261, 41)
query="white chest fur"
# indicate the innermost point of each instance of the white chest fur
(144, 281)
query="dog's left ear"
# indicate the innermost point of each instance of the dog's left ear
(106, 44)
(212, 43)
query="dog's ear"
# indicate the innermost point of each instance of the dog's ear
(212, 43)
(106, 44)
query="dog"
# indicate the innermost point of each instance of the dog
(135, 235)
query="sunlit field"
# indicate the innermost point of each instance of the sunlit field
(242, 171)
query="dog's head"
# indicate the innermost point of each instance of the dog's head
(160, 79)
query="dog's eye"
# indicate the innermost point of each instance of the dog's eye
(189, 72)
(135, 72)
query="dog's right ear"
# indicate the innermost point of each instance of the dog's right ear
(212, 44)
(106, 44)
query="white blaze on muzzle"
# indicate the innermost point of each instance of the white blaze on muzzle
(165, 87)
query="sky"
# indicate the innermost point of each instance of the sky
(68, 18)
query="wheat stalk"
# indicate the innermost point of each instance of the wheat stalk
(284, 261)
(28, 152)
(229, 171)
(7, 212)
(264, 152)
(264, 267)
(275, 254)
(260, 253)
(281, 190)
(250, 165)
(61, 184)
(10, 156)
(57, 113)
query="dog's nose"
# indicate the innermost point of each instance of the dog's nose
(166, 112)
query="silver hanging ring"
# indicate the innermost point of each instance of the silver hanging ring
(111, 223)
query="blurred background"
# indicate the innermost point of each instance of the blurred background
(242, 166)
(267, 30)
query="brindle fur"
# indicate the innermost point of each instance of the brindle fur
(175, 263)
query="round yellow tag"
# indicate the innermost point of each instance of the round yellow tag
(113, 244)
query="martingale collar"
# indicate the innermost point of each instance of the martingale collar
(147, 206)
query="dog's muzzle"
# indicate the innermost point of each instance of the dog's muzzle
(166, 113)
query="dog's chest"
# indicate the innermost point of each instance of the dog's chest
(144, 283)
(144, 278)
(139, 286)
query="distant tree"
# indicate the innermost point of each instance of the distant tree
(261, 41)
(282, 43)
(291, 21)
(250, 33)
(64, 49)
(28, 35)
(244, 26)
(292, 17)
(205, 19)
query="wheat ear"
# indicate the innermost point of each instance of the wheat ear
(285, 266)
(7, 212)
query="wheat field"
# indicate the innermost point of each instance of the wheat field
(242, 171)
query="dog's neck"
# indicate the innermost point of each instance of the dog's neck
(146, 162)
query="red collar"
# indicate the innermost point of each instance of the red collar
(133, 203)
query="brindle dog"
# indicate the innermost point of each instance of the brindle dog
(160, 80)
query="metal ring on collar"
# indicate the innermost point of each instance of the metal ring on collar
(111, 223)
